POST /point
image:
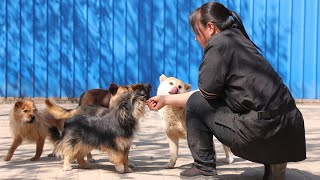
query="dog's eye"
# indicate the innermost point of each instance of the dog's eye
(25, 111)
(179, 87)
(171, 83)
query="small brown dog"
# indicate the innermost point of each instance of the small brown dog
(27, 124)
(106, 98)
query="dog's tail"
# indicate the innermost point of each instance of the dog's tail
(54, 134)
(59, 112)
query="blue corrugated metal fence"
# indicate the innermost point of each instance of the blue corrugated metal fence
(60, 48)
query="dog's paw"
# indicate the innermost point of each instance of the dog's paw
(67, 168)
(120, 169)
(6, 158)
(34, 159)
(229, 159)
(169, 165)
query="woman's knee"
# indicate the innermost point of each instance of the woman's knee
(195, 102)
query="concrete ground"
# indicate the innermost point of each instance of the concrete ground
(149, 153)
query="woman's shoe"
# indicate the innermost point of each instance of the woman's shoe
(195, 173)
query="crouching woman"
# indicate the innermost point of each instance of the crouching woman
(241, 100)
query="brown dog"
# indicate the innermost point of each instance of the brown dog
(27, 124)
(106, 98)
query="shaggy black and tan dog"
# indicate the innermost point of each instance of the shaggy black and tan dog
(61, 114)
(112, 133)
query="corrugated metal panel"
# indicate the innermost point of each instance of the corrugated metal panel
(310, 54)
(27, 49)
(318, 50)
(67, 42)
(54, 42)
(62, 48)
(3, 45)
(13, 48)
(296, 77)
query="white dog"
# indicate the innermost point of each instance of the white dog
(174, 118)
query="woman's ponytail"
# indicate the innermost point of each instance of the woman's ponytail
(237, 23)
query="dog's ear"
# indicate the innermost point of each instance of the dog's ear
(148, 87)
(162, 78)
(18, 104)
(188, 87)
(113, 88)
(48, 103)
(136, 86)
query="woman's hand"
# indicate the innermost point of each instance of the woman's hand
(156, 102)
(179, 100)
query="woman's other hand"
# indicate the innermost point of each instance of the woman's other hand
(156, 102)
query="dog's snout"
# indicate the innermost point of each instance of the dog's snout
(143, 96)
(32, 119)
(146, 95)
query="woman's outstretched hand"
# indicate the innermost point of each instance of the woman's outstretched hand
(156, 102)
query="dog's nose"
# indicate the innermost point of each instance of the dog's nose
(33, 118)
(147, 95)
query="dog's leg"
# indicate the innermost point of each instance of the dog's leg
(118, 159)
(82, 163)
(16, 142)
(214, 149)
(40, 144)
(229, 154)
(173, 145)
(67, 163)
(90, 158)
(126, 161)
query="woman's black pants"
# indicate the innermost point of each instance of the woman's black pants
(203, 119)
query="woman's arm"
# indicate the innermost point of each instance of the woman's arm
(157, 102)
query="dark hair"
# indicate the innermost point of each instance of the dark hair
(219, 15)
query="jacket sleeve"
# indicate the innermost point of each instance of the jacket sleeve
(212, 73)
